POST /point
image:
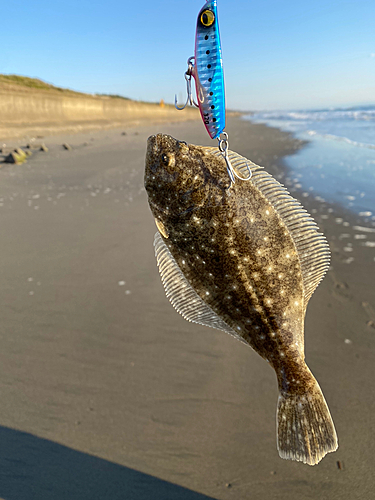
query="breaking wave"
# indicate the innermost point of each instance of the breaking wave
(342, 139)
(353, 126)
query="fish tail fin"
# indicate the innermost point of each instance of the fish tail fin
(305, 430)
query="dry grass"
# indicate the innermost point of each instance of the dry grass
(24, 83)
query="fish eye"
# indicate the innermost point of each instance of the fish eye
(165, 159)
(207, 18)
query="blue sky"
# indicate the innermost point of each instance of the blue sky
(277, 54)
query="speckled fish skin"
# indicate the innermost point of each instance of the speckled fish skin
(244, 259)
(208, 71)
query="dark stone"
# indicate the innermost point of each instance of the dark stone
(15, 158)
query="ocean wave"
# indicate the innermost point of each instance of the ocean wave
(342, 139)
(357, 114)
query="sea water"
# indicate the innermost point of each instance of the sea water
(338, 163)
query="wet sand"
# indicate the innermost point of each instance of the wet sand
(106, 392)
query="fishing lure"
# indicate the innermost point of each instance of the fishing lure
(206, 67)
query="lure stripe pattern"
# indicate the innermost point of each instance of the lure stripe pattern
(208, 73)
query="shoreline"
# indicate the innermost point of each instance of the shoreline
(283, 173)
(93, 358)
(334, 166)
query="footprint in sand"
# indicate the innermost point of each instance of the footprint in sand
(370, 313)
(340, 289)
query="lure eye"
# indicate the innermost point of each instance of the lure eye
(207, 18)
(165, 159)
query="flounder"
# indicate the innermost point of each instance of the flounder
(244, 259)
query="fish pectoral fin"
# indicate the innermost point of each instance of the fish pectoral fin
(182, 295)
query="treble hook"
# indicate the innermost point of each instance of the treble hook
(223, 147)
(188, 75)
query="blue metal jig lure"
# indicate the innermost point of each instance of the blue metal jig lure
(206, 67)
(209, 76)
(207, 70)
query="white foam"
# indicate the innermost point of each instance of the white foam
(347, 140)
(365, 214)
(364, 229)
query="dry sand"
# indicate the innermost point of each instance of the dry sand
(107, 393)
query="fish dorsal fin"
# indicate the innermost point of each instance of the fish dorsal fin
(312, 246)
(181, 294)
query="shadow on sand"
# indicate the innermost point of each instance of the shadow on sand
(35, 468)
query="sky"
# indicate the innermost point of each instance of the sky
(276, 54)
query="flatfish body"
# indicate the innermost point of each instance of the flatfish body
(244, 259)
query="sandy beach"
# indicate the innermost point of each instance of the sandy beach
(107, 393)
